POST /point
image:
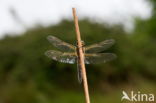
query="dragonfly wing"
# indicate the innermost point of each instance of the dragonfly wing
(99, 47)
(61, 44)
(99, 58)
(61, 57)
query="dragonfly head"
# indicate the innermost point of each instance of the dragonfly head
(82, 42)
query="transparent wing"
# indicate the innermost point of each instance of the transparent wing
(61, 57)
(99, 58)
(99, 47)
(61, 44)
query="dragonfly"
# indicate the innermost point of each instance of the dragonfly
(69, 53)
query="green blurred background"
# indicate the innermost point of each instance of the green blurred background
(28, 76)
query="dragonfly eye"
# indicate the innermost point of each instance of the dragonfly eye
(83, 43)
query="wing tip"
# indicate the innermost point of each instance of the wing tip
(115, 56)
(47, 53)
(49, 37)
(112, 40)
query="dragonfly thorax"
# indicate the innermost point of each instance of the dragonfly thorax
(82, 42)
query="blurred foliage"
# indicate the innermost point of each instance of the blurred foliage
(27, 75)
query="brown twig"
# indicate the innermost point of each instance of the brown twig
(82, 64)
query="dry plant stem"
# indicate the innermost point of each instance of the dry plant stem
(81, 54)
